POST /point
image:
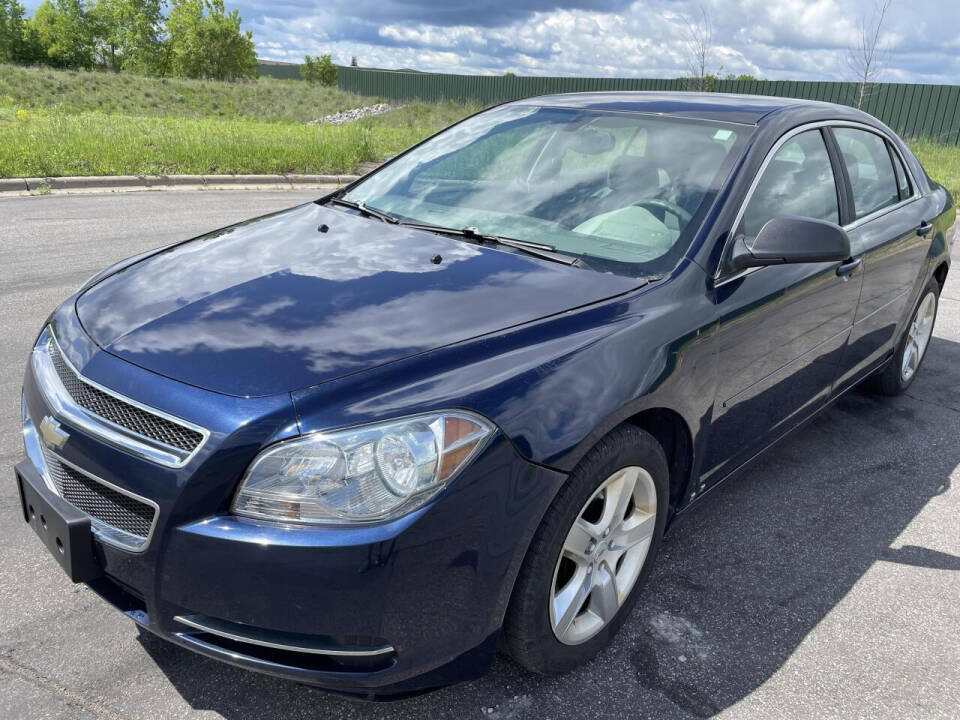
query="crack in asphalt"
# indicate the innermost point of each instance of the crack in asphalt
(10, 666)
(927, 401)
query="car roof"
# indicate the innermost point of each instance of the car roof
(742, 109)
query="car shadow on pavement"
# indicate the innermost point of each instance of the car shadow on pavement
(742, 579)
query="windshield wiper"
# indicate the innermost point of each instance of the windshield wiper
(541, 250)
(365, 209)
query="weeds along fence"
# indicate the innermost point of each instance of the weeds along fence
(914, 111)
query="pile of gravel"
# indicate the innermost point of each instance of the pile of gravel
(355, 114)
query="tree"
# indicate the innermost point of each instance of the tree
(353, 61)
(319, 69)
(127, 34)
(867, 55)
(29, 50)
(17, 41)
(11, 28)
(205, 41)
(700, 51)
(64, 33)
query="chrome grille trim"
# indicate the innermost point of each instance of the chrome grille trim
(121, 413)
(107, 505)
(236, 632)
(121, 421)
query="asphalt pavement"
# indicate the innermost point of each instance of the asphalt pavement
(822, 582)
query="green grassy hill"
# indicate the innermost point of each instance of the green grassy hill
(267, 99)
(55, 123)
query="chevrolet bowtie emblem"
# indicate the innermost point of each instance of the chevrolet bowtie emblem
(52, 434)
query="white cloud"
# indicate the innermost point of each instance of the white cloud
(775, 39)
(787, 39)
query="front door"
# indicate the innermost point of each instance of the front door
(781, 328)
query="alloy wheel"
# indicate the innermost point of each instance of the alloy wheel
(603, 555)
(918, 336)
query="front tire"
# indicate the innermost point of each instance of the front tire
(902, 369)
(591, 554)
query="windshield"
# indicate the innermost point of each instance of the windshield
(622, 191)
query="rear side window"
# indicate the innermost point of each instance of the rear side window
(871, 172)
(903, 183)
(797, 181)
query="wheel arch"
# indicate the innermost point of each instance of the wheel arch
(940, 274)
(668, 426)
(673, 434)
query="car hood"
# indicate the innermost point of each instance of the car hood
(274, 304)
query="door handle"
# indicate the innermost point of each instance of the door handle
(848, 267)
(924, 229)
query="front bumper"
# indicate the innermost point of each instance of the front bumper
(373, 611)
(432, 586)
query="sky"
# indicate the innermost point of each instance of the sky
(772, 39)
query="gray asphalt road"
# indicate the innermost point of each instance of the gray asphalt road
(824, 582)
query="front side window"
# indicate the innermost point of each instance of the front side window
(798, 180)
(871, 172)
(622, 191)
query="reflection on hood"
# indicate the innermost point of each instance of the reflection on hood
(274, 305)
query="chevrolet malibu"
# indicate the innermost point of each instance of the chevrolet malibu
(365, 442)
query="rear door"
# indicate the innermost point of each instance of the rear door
(782, 328)
(886, 228)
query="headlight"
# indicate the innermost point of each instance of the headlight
(364, 474)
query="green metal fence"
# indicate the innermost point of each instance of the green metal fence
(914, 111)
(284, 72)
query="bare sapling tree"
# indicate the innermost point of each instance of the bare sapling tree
(866, 57)
(700, 51)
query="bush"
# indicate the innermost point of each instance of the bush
(319, 70)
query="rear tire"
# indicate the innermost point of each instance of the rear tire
(591, 554)
(903, 367)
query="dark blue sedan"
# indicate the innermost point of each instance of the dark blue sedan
(364, 442)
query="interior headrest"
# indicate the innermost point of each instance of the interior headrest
(630, 173)
(685, 155)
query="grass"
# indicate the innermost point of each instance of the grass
(942, 163)
(264, 100)
(56, 123)
(55, 143)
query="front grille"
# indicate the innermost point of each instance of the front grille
(121, 413)
(117, 511)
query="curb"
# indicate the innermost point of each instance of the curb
(13, 185)
(22, 186)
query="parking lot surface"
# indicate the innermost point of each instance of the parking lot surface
(822, 582)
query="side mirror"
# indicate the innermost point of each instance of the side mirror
(791, 239)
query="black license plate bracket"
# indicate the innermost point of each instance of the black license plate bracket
(65, 530)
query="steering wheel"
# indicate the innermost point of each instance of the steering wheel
(666, 206)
